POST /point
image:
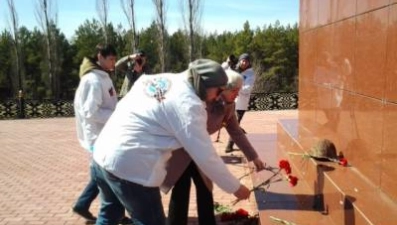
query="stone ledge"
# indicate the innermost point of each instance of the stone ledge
(342, 194)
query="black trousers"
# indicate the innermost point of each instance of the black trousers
(179, 203)
(239, 114)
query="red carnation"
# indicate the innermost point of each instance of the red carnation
(242, 213)
(288, 170)
(284, 164)
(343, 162)
(293, 181)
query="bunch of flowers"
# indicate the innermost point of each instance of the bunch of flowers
(284, 165)
(241, 216)
(277, 176)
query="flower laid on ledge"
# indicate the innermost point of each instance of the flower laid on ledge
(324, 150)
(237, 217)
(340, 161)
(280, 221)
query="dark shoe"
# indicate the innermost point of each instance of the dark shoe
(126, 221)
(229, 147)
(228, 150)
(85, 214)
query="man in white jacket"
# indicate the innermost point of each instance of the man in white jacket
(244, 67)
(161, 113)
(94, 102)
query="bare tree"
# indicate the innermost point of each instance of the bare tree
(47, 19)
(14, 30)
(191, 14)
(130, 14)
(160, 22)
(102, 7)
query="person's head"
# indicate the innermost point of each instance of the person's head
(233, 86)
(106, 56)
(244, 61)
(207, 78)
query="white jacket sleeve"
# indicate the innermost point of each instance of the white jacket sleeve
(248, 85)
(92, 101)
(189, 121)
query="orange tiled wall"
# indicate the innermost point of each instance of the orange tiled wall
(348, 81)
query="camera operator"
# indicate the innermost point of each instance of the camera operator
(132, 66)
(230, 62)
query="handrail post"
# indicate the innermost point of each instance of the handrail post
(21, 105)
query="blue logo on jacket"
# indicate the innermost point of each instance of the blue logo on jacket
(157, 87)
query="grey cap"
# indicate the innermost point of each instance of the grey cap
(244, 56)
(210, 72)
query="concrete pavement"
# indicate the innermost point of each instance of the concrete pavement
(43, 169)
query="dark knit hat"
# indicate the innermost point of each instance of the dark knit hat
(210, 72)
(205, 73)
(244, 56)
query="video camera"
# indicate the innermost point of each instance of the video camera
(232, 61)
(139, 60)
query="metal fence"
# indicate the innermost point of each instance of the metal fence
(21, 108)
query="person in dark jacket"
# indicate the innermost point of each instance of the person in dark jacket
(133, 67)
(244, 67)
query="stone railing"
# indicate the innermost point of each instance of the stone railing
(21, 108)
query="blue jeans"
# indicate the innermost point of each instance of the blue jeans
(142, 203)
(88, 195)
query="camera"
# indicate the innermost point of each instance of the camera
(139, 61)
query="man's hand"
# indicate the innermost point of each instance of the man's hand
(259, 165)
(134, 56)
(242, 193)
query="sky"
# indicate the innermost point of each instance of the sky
(217, 15)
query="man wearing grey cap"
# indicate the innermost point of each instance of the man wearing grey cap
(161, 113)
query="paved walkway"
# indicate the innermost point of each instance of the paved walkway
(43, 169)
